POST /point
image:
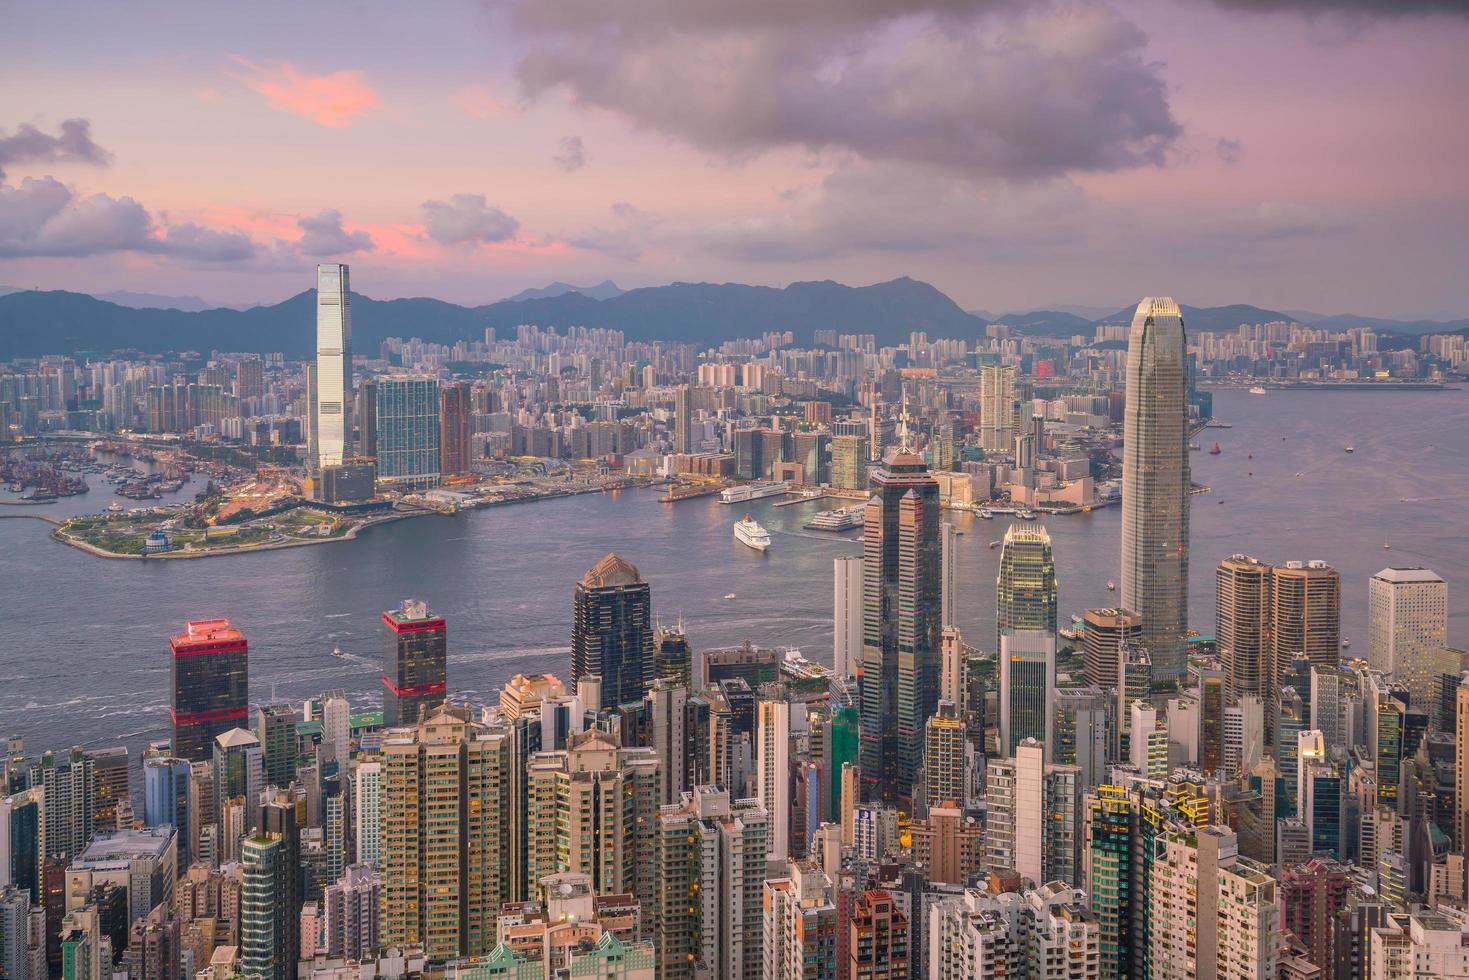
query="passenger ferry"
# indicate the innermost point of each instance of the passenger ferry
(1257, 390)
(752, 491)
(841, 519)
(749, 533)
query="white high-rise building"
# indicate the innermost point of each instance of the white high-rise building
(1043, 933)
(773, 772)
(331, 421)
(1212, 912)
(847, 652)
(367, 801)
(1033, 824)
(1155, 485)
(949, 560)
(1407, 615)
(336, 725)
(996, 407)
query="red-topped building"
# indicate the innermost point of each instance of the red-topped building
(210, 686)
(415, 663)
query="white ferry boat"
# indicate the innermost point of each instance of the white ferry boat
(1257, 390)
(749, 533)
(841, 519)
(751, 491)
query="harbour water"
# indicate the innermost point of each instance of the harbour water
(84, 641)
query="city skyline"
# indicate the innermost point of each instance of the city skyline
(546, 178)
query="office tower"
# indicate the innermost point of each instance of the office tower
(415, 663)
(167, 800)
(996, 413)
(683, 421)
(239, 777)
(1323, 794)
(275, 727)
(1155, 485)
(407, 420)
(847, 648)
(668, 705)
(773, 771)
(1305, 613)
(332, 391)
(1334, 705)
(22, 841)
(336, 725)
(365, 415)
(800, 925)
(110, 767)
(1212, 912)
(1407, 610)
(944, 766)
(456, 453)
(1212, 699)
(591, 809)
(210, 672)
(952, 675)
(673, 658)
(367, 797)
(351, 915)
(445, 861)
(843, 736)
(1104, 633)
(1027, 680)
(1290, 722)
(1242, 626)
(1080, 733)
(612, 633)
(948, 570)
(1025, 589)
(901, 607)
(264, 951)
(711, 867)
(876, 942)
(848, 463)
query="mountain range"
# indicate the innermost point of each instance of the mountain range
(33, 322)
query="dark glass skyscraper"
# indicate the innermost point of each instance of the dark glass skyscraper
(455, 453)
(210, 686)
(415, 663)
(902, 612)
(612, 634)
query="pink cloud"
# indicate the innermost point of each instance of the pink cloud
(334, 100)
(481, 102)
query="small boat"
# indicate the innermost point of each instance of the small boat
(1387, 547)
(994, 544)
(985, 514)
(730, 596)
(1215, 450)
(1111, 586)
(1350, 449)
(1025, 515)
(337, 652)
(1345, 643)
(1257, 390)
(1194, 446)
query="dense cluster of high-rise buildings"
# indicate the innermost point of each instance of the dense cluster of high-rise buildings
(1120, 797)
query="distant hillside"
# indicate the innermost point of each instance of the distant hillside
(33, 323)
(707, 313)
(1048, 323)
(154, 301)
(1211, 317)
(606, 289)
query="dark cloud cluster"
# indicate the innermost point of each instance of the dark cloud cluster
(72, 143)
(572, 155)
(323, 235)
(42, 217)
(1371, 8)
(981, 87)
(466, 219)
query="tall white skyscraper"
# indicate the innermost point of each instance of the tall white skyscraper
(773, 772)
(1407, 614)
(332, 402)
(948, 558)
(996, 407)
(1155, 484)
(848, 604)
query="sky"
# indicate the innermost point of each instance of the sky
(1018, 154)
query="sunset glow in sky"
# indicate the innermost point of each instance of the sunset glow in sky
(1017, 154)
